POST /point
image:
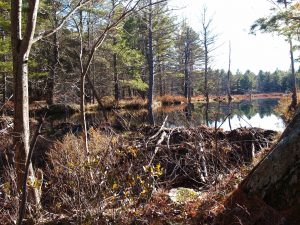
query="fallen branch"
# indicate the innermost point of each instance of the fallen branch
(160, 140)
(158, 132)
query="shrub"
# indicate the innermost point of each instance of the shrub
(113, 175)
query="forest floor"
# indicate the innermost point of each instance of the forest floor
(132, 176)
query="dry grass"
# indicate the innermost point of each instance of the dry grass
(214, 98)
(171, 99)
(259, 96)
(133, 103)
(113, 177)
(109, 103)
(116, 183)
(283, 107)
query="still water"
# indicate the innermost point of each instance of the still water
(256, 113)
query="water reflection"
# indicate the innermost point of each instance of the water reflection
(255, 113)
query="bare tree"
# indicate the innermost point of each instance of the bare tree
(208, 39)
(228, 74)
(187, 81)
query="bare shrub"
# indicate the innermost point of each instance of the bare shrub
(118, 176)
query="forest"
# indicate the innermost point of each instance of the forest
(113, 112)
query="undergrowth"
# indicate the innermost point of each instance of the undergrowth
(118, 183)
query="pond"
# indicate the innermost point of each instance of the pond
(255, 113)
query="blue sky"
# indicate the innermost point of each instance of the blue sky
(232, 20)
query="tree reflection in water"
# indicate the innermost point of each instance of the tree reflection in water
(256, 113)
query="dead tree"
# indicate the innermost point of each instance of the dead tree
(208, 39)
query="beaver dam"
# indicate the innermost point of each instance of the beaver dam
(131, 168)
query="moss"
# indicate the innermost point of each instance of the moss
(181, 195)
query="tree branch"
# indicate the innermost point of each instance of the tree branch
(63, 21)
(30, 26)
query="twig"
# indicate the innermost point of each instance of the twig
(158, 132)
(161, 139)
(6, 102)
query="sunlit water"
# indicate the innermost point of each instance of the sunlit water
(256, 113)
(271, 122)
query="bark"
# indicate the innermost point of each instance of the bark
(187, 93)
(82, 115)
(150, 66)
(23, 199)
(228, 75)
(20, 51)
(116, 77)
(270, 193)
(4, 87)
(294, 95)
(206, 113)
(83, 74)
(4, 75)
(208, 40)
(21, 46)
(282, 164)
(205, 67)
(160, 74)
(54, 56)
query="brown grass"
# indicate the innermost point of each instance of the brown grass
(260, 96)
(171, 99)
(109, 103)
(223, 98)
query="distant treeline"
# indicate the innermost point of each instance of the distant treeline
(263, 82)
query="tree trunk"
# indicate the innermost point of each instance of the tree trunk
(82, 115)
(4, 74)
(4, 87)
(294, 95)
(52, 73)
(228, 75)
(20, 51)
(206, 69)
(270, 193)
(160, 73)
(151, 67)
(187, 93)
(282, 164)
(21, 117)
(54, 57)
(116, 77)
